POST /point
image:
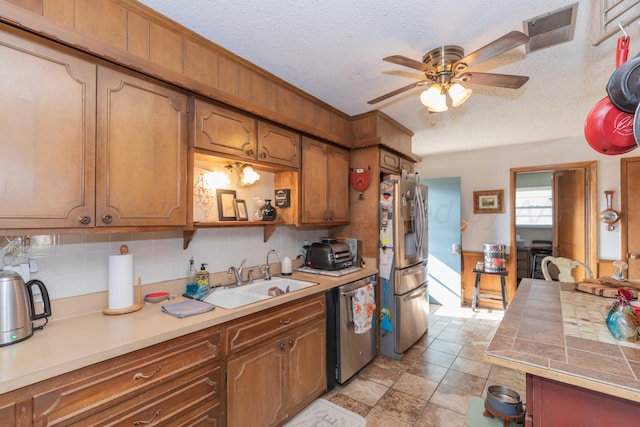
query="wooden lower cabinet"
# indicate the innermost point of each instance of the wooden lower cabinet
(268, 384)
(270, 381)
(178, 382)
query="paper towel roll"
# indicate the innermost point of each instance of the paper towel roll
(120, 281)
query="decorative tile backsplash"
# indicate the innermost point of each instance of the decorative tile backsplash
(77, 264)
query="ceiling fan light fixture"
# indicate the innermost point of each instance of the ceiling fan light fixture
(458, 94)
(434, 99)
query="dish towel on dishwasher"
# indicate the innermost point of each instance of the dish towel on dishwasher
(187, 308)
(364, 304)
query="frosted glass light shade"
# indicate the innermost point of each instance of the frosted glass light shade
(434, 99)
(458, 94)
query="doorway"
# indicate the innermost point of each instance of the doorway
(572, 228)
(444, 241)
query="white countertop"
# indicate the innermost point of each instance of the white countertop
(75, 342)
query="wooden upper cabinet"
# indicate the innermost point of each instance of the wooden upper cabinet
(324, 189)
(47, 118)
(278, 146)
(392, 162)
(389, 161)
(224, 131)
(242, 137)
(141, 167)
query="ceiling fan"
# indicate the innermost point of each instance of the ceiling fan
(446, 67)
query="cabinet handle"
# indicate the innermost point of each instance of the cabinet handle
(149, 421)
(250, 152)
(282, 346)
(263, 155)
(634, 256)
(140, 375)
(285, 322)
(86, 219)
(290, 343)
(107, 219)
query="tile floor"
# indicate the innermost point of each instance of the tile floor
(433, 383)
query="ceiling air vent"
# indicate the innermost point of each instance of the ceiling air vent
(551, 28)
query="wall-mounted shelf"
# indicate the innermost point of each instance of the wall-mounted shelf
(268, 228)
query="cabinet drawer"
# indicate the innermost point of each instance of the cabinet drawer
(265, 325)
(123, 378)
(193, 393)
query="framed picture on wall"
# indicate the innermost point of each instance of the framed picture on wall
(489, 201)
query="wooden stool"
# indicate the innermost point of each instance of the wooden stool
(476, 288)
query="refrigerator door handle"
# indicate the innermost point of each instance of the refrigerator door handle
(414, 270)
(414, 295)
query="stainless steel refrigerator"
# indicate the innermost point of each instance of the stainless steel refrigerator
(404, 288)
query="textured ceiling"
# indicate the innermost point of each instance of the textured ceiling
(333, 50)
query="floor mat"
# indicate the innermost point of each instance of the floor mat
(322, 413)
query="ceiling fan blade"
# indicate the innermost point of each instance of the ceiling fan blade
(406, 62)
(397, 91)
(495, 48)
(500, 80)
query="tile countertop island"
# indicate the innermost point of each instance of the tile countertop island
(75, 342)
(577, 373)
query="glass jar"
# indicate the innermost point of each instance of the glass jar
(269, 213)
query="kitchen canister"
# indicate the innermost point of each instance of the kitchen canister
(494, 260)
(285, 266)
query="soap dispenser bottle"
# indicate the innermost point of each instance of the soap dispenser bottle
(202, 279)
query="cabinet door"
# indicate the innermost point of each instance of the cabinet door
(255, 386)
(315, 182)
(278, 146)
(224, 131)
(339, 185)
(306, 366)
(389, 161)
(48, 133)
(141, 167)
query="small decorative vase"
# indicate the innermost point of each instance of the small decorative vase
(269, 213)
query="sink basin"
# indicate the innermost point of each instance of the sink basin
(262, 287)
(233, 298)
(254, 292)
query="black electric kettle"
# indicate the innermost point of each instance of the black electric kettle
(17, 310)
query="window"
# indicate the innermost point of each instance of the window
(534, 206)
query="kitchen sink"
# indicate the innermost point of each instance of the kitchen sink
(285, 285)
(258, 291)
(233, 298)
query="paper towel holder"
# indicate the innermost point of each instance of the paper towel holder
(135, 307)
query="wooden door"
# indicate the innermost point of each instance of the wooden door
(306, 366)
(338, 191)
(314, 182)
(569, 212)
(141, 167)
(630, 214)
(278, 146)
(255, 387)
(47, 137)
(224, 131)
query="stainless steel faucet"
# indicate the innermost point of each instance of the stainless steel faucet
(267, 270)
(237, 273)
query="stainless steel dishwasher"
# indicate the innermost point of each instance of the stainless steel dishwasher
(348, 352)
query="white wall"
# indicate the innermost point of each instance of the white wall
(489, 169)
